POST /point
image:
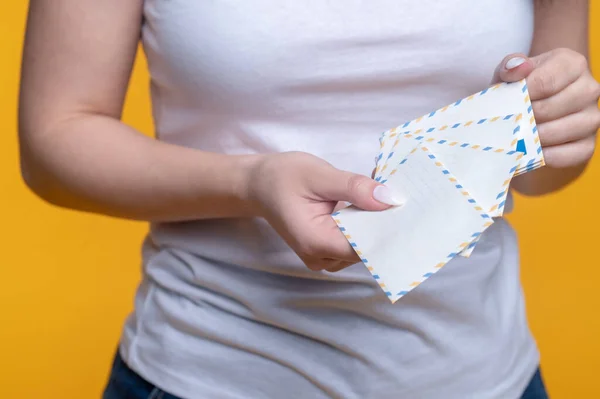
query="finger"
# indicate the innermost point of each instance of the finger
(324, 240)
(319, 264)
(363, 192)
(316, 264)
(575, 97)
(340, 205)
(514, 67)
(335, 244)
(340, 266)
(570, 154)
(554, 72)
(569, 128)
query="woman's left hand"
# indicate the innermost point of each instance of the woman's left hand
(564, 97)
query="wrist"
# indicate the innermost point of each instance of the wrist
(248, 169)
(546, 180)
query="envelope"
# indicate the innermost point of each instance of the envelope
(454, 166)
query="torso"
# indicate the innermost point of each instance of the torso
(226, 309)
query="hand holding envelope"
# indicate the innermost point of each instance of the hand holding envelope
(454, 165)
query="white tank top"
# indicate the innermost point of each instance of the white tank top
(225, 309)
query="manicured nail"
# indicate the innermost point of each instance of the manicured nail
(514, 62)
(385, 195)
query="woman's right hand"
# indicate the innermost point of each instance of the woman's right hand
(297, 192)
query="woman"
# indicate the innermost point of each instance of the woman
(267, 114)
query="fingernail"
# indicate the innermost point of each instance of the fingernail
(514, 62)
(385, 195)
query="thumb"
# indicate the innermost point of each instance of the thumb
(361, 191)
(514, 67)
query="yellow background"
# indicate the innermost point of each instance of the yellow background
(67, 279)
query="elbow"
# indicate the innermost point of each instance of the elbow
(33, 173)
(47, 176)
(36, 180)
(36, 177)
(44, 162)
(27, 175)
(42, 185)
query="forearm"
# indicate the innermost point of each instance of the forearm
(558, 24)
(96, 164)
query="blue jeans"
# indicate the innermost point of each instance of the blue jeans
(124, 383)
(536, 388)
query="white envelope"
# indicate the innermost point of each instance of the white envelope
(497, 103)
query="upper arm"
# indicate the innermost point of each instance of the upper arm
(77, 58)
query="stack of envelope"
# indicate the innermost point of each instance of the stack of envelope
(454, 167)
